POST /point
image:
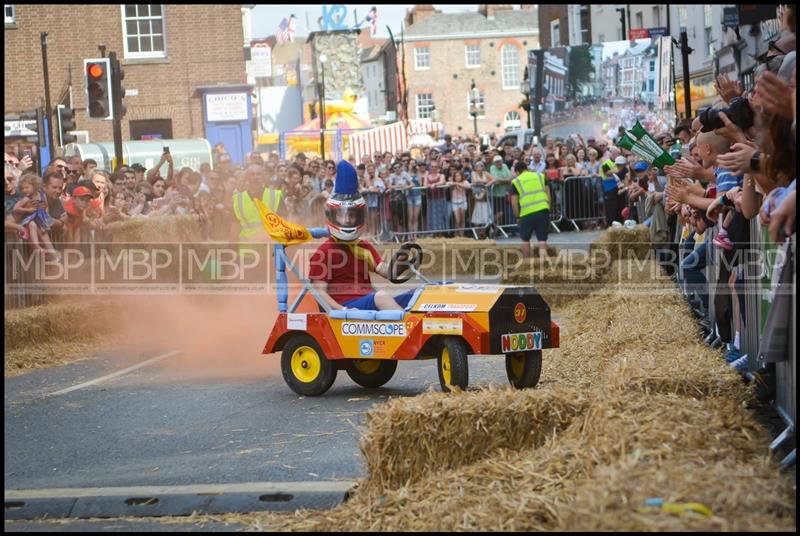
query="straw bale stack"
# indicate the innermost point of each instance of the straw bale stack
(54, 333)
(409, 438)
(163, 229)
(621, 243)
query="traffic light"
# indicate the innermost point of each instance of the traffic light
(118, 92)
(98, 88)
(66, 122)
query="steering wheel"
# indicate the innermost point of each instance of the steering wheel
(404, 259)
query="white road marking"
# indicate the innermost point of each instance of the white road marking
(116, 374)
(154, 491)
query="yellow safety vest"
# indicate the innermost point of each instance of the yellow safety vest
(532, 193)
(246, 212)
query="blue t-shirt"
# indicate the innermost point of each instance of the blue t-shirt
(726, 180)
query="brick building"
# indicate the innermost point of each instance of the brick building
(446, 51)
(167, 52)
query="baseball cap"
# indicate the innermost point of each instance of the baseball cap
(81, 191)
(620, 161)
(497, 158)
(640, 166)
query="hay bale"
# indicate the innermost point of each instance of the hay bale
(56, 333)
(162, 229)
(409, 438)
(621, 243)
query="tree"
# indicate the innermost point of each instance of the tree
(580, 68)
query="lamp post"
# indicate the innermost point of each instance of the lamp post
(525, 89)
(473, 109)
(322, 59)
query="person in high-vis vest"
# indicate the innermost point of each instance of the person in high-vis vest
(533, 208)
(245, 209)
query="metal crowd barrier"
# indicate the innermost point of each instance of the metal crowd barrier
(403, 214)
(503, 219)
(756, 263)
(583, 200)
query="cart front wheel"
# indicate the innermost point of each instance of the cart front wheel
(305, 368)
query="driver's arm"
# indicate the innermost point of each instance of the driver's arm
(322, 288)
(382, 270)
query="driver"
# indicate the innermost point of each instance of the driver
(340, 267)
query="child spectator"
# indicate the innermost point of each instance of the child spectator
(459, 202)
(31, 213)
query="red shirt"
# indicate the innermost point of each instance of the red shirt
(346, 275)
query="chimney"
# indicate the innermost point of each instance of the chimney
(419, 12)
(488, 10)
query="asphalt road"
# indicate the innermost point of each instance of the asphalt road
(587, 129)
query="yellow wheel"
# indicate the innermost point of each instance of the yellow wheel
(370, 373)
(524, 368)
(305, 368)
(306, 364)
(452, 361)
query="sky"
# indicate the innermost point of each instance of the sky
(266, 18)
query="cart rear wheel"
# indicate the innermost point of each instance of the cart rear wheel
(305, 368)
(524, 368)
(370, 373)
(452, 361)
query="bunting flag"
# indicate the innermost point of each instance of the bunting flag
(282, 231)
(372, 18)
(639, 141)
(286, 31)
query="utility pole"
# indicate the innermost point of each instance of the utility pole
(687, 94)
(116, 99)
(672, 63)
(48, 110)
(537, 101)
(624, 26)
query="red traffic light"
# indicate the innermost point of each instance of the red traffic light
(95, 70)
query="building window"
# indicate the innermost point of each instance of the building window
(707, 15)
(683, 17)
(144, 32)
(656, 16)
(422, 58)
(424, 105)
(512, 120)
(481, 103)
(639, 20)
(555, 33)
(473, 56)
(653, 85)
(11, 15)
(509, 58)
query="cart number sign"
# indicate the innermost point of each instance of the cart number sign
(520, 312)
(520, 342)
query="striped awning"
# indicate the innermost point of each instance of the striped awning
(392, 138)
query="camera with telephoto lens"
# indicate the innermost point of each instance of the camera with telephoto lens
(738, 111)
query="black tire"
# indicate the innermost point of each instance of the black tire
(321, 372)
(365, 373)
(452, 362)
(524, 369)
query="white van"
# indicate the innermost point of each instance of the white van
(519, 137)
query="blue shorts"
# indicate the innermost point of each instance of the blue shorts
(538, 222)
(367, 303)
